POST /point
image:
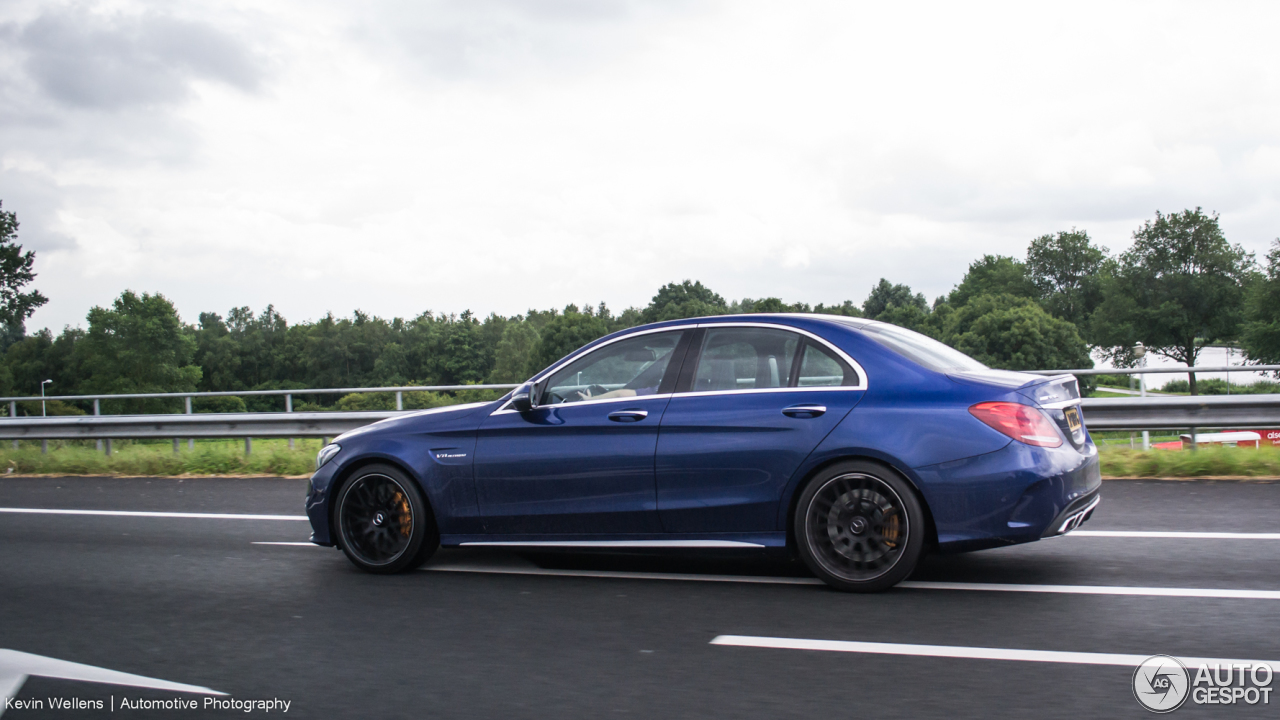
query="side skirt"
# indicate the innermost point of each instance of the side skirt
(715, 541)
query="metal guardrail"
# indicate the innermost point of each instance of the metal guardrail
(1205, 411)
(288, 395)
(203, 425)
(1200, 411)
(1157, 370)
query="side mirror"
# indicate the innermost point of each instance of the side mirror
(522, 398)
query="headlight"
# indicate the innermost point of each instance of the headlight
(326, 454)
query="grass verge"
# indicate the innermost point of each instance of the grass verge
(1206, 462)
(209, 457)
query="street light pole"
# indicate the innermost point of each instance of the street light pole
(1140, 352)
(42, 409)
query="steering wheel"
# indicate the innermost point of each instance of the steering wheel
(597, 390)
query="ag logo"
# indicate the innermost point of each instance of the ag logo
(1161, 683)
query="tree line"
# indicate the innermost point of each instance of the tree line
(1179, 286)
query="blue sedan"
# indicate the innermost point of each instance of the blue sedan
(854, 444)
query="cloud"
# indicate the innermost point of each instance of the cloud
(111, 61)
(503, 154)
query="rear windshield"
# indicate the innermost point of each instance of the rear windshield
(921, 349)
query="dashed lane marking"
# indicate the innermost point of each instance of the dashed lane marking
(139, 513)
(1173, 535)
(907, 585)
(966, 653)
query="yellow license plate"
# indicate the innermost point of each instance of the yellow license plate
(1073, 419)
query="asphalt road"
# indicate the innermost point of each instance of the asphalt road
(491, 634)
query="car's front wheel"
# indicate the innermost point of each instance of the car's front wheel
(384, 523)
(859, 527)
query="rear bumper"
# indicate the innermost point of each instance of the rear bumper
(1073, 516)
(1017, 494)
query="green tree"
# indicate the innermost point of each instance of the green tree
(1260, 334)
(1014, 333)
(683, 300)
(1067, 270)
(767, 305)
(847, 308)
(515, 354)
(993, 275)
(1180, 284)
(886, 295)
(15, 273)
(138, 345)
(566, 333)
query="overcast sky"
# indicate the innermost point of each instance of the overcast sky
(505, 154)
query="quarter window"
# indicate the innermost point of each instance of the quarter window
(738, 358)
(626, 368)
(820, 367)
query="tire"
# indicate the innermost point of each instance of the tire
(383, 522)
(859, 527)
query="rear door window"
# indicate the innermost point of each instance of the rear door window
(745, 358)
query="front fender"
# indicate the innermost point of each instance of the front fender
(441, 464)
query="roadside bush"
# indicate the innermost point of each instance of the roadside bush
(1218, 386)
(230, 404)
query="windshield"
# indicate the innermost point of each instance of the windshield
(922, 349)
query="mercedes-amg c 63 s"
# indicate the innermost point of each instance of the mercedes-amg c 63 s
(856, 445)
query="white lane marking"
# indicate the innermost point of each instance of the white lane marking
(961, 652)
(1097, 590)
(907, 585)
(138, 513)
(625, 575)
(619, 543)
(299, 544)
(1173, 535)
(16, 666)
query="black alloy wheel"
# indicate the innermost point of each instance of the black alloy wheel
(859, 527)
(384, 524)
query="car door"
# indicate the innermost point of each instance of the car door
(582, 461)
(753, 402)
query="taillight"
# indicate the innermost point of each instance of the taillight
(1020, 422)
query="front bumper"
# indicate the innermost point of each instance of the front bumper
(317, 504)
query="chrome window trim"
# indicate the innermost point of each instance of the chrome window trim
(634, 398)
(582, 352)
(862, 374)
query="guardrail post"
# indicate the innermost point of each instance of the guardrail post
(44, 447)
(191, 442)
(248, 446)
(108, 447)
(13, 413)
(1193, 440)
(175, 446)
(288, 407)
(97, 410)
(399, 400)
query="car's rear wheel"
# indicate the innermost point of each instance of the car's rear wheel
(859, 527)
(384, 523)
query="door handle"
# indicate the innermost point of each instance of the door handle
(628, 415)
(804, 411)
